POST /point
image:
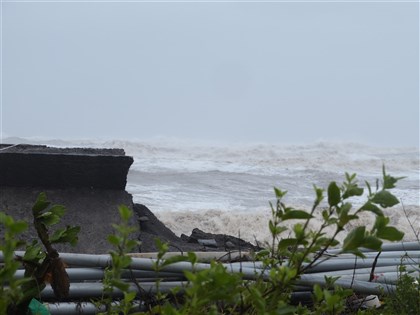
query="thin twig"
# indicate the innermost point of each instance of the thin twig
(372, 271)
(354, 272)
(416, 233)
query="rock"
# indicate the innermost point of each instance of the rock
(224, 242)
(143, 219)
(229, 244)
(209, 243)
(153, 228)
(185, 238)
(198, 241)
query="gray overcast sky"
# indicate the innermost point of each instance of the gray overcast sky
(248, 72)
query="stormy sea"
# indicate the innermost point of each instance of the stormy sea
(227, 187)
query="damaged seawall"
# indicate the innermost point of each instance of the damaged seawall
(90, 183)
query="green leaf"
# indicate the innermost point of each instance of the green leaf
(285, 309)
(344, 216)
(125, 212)
(369, 188)
(380, 222)
(350, 178)
(18, 227)
(192, 257)
(272, 227)
(58, 210)
(344, 209)
(279, 193)
(275, 229)
(48, 218)
(323, 241)
(123, 286)
(389, 181)
(190, 275)
(318, 293)
(285, 243)
(325, 215)
(330, 281)
(299, 231)
(262, 254)
(51, 220)
(33, 252)
(114, 240)
(4, 218)
(296, 214)
(57, 235)
(131, 244)
(390, 233)
(258, 299)
(372, 242)
(67, 235)
(71, 235)
(368, 206)
(162, 247)
(41, 204)
(333, 194)
(385, 199)
(125, 261)
(129, 296)
(352, 190)
(354, 239)
(386, 232)
(319, 196)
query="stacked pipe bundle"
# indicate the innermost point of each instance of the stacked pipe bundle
(378, 273)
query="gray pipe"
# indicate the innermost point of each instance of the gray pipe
(363, 287)
(409, 268)
(383, 277)
(85, 308)
(351, 263)
(386, 247)
(344, 265)
(88, 290)
(387, 254)
(95, 274)
(149, 264)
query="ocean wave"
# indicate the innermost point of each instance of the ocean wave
(253, 226)
(178, 174)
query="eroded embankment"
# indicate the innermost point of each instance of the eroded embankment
(90, 183)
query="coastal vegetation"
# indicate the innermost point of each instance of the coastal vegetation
(277, 286)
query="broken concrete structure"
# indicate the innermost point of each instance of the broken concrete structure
(90, 183)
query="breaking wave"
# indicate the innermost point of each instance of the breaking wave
(225, 188)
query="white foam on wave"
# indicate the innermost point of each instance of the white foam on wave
(253, 226)
(180, 180)
(270, 159)
(289, 166)
(165, 154)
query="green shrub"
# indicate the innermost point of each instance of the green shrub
(40, 266)
(10, 287)
(119, 261)
(406, 300)
(215, 290)
(292, 252)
